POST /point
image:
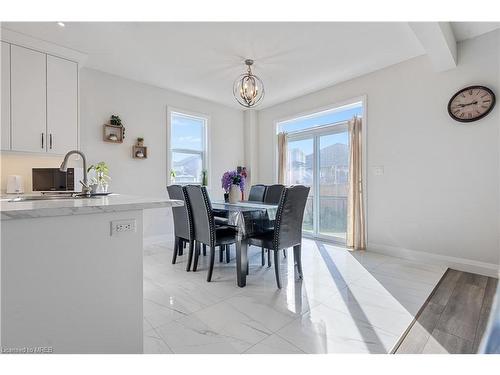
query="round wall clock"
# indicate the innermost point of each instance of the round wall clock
(471, 103)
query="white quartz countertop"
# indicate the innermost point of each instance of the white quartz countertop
(66, 207)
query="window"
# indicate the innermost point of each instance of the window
(318, 156)
(188, 149)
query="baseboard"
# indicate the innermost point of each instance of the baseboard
(155, 239)
(461, 264)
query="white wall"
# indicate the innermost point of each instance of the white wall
(440, 190)
(143, 110)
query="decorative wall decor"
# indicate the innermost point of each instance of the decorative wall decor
(139, 151)
(114, 132)
(471, 104)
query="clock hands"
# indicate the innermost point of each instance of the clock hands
(466, 105)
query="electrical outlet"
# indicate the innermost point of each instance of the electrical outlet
(120, 226)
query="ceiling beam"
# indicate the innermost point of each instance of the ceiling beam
(439, 42)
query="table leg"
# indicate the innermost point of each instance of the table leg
(241, 262)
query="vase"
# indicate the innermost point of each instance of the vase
(234, 194)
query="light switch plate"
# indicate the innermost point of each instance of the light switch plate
(378, 170)
(121, 226)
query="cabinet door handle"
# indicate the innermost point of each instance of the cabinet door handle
(50, 141)
(42, 140)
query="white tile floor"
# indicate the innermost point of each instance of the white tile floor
(348, 302)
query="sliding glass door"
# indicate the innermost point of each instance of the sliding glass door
(319, 158)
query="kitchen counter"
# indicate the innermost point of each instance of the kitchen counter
(71, 273)
(79, 206)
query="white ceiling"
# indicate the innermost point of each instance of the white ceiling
(468, 30)
(203, 59)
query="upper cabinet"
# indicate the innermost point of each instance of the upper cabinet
(28, 99)
(62, 105)
(5, 80)
(42, 96)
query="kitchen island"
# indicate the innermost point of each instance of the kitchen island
(71, 274)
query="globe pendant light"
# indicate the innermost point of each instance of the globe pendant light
(248, 89)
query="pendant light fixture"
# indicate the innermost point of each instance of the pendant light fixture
(248, 89)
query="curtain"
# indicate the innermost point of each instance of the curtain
(282, 156)
(356, 237)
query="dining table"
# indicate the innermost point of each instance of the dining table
(248, 218)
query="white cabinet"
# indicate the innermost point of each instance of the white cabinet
(39, 101)
(62, 105)
(28, 99)
(5, 80)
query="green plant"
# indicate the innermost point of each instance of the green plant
(101, 169)
(140, 139)
(115, 120)
(173, 174)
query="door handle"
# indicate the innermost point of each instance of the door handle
(50, 141)
(42, 140)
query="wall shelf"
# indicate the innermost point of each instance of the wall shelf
(137, 150)
(111, 131)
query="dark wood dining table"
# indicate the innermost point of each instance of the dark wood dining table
(248, 218)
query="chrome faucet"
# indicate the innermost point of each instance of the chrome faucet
(64, 167)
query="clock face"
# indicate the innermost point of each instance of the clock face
(471, 103)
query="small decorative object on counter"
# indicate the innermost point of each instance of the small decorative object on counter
(233, 184)
(139, 151)
(100, 182)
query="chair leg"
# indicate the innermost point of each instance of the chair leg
(181, 247)
(268, 258)
(190, 255)
(277, 267)
(262, 256)
(284, 253)
(211, 266)
(297, 259)
(204, 250)
(228, 253)
(176, 249)
(221, 253)
(196, 256)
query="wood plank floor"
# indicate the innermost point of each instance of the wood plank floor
(454, 318)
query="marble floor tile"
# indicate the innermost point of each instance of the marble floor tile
(347, 302)
(274, 344)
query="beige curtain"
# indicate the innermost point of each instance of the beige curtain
(356, 237)
(282, 155)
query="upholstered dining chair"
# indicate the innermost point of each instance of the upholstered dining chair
(257, 193)
(287, 229)
(272, 196)
(183, 223)
(205, 231)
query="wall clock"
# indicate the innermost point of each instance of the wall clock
(471, 103)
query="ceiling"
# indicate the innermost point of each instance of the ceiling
(203, 59)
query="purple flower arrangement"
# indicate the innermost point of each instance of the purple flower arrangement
(230, 178)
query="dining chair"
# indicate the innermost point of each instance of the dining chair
(205, 230)
(272, 196)
(287, 229)
(183, 223)
(257, 193)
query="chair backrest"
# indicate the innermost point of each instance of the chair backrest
(183, 224)
(257, 193)
(203, 218)
(288, 224)
(273, 194)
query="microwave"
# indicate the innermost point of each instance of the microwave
(52, 179)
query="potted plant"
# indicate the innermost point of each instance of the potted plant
(140, 141)
(233, 184)
(172, 176)
(99, 183)
(115, 120)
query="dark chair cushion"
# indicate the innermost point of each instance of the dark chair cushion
(257, 193)
(273, 194)
(264, 240)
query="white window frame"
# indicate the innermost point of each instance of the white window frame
(204, 153)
